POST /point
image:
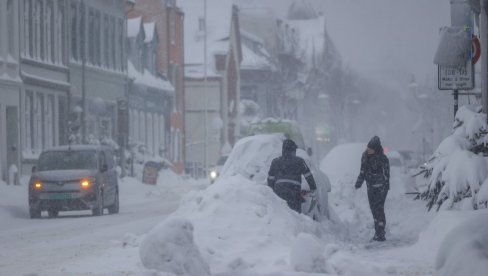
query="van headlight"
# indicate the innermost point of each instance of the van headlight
(214, 175)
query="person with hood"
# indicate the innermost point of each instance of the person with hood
(285, 176)
(375, 169)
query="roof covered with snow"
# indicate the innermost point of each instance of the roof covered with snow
(148, 79)
(311, 35)
(133, 27)
(149, 30)
(254, 59)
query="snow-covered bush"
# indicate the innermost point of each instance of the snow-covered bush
(465, 249)
(169, 247)
(458, 168)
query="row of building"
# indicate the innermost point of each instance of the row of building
(143, 74)
(82, 72)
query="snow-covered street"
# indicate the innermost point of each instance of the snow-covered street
(76, 242)
(238, 227)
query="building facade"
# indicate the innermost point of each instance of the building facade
(168, 17)
(10, 89)
(45, 75)
(97, 69)
(150, 96)
(212, 82)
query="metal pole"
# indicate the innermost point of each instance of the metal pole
(484, 54)
(83, 61)
(205, 144)
(456, 101)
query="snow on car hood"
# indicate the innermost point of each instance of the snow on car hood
(64, 175)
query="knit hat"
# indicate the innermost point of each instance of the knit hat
(375, 144)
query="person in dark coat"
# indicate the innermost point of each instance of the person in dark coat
(375, 170)
(285, 176)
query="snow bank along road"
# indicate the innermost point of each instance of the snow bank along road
(45, 246)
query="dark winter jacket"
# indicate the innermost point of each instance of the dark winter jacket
(375, 168)
(289, 168)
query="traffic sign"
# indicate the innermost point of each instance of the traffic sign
(456, 78)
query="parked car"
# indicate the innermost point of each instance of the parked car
(79, 177)
(251, 158)
(215, 170)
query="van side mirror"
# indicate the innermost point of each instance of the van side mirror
(104, 168)
(309, 151)
(34, 169)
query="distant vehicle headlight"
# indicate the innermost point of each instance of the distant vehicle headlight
(214, 174)
(86, 183)
(38, 185)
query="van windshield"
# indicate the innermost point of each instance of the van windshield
(68, 160)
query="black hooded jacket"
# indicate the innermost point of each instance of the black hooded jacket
(375, 168)
(289, 168)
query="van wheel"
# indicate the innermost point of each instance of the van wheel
(34, 213)
(98, 208)
(53, 213)
(114, 208)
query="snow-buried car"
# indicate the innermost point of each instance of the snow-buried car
(251, 158)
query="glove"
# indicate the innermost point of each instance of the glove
(357, 185)
(313, 193)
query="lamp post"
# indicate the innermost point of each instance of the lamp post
(205, 144)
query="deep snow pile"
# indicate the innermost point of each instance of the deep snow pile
(169, 247)
(241, 226)
(457, 169)
(465, 249)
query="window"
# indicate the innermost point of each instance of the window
(40, 30)
(48, 125)
(27, 28)
(74, 31)
(28, 122)
(106, 128)
(121, 56)
(113, 41)
(91, 36)
(156, 137)
(10, 27)
(36, 12)
(61, 33)
(67, 160)
(142, 127)
(149, 132)
(50, 30)
(106, 42)
(37, 142)
(172, 28)
(97, 42)
(162, 132)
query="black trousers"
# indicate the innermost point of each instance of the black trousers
(377, 198)
(291, 194)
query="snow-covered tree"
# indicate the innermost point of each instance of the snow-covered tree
(459, 169)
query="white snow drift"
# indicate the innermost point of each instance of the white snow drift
(169, 247)
(465, 250)
(243, 226)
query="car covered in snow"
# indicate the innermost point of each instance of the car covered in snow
(79, 177)
(251, 157)
(215, 170)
